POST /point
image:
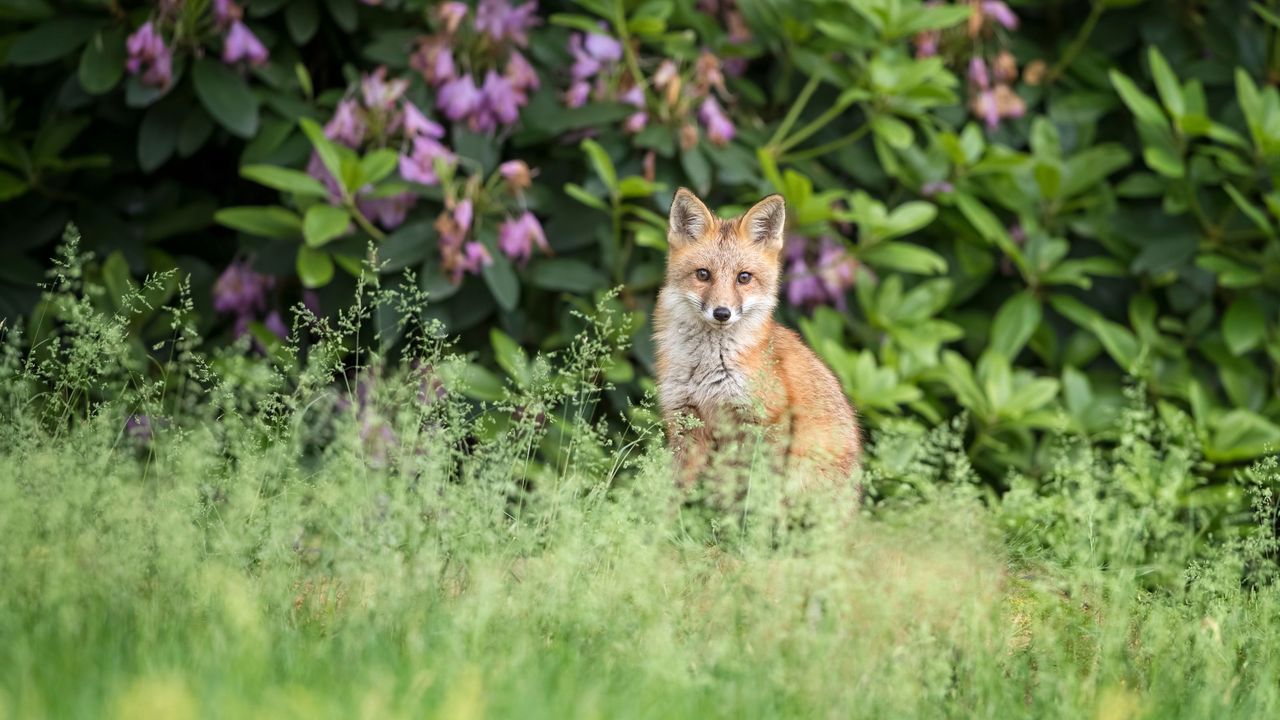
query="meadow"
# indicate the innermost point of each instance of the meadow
(334, 532)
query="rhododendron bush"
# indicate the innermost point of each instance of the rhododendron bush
(1010, 209)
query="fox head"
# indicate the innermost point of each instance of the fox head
(725, 271)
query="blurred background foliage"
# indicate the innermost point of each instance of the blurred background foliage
(1019, 211)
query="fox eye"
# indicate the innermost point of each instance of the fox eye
(744, 278)
(703, 274)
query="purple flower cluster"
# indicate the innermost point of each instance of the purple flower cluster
(821, 278)
(517, 237)
(150, 57)
(596, 57)
(498, 86)
(240, 44)
(242, 292)
(380, 116)
(458, 256)
(991, 95)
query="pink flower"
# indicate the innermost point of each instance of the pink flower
(927, 44)
(521, 74)
(463, 214)
(603, 47)
(720, 129)
(389, 212)
(517, 236)
(804, 289)
(500, 21)
(275, 325)
(459, 97)
(577, 94)
(434, 59)
(378, 93)
(420, 165)
(592, 52)
(516, 173)
(501, 101)
(452, 14)
(242, 44)
(984, 106)
(635, 122)
(150, 56)
(346, 126)
(1001, 13)
(240, 290)
(835, 270)
(474, 257)
(226, 12)
(418, 125)
(978, 74)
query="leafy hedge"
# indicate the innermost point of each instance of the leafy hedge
(1006, 209)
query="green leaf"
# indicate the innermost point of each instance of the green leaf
(344, 14)
(226, 96)
(502, 282)
(566, 274)
(11, 186)
(1251, 211)
(102, 62)
(1241, 434)
(115, 275)
(903, 256)
(1014, 324)
(285, 180)
(303, 19)
(697, 169)
(315, 267)
(511, 357)
(602, 164)
(329, 152)
(263, 221)
(377, 165)
(195, 131)
(1138, 102)
(1084, 170)
(907, 218)
(1166, 83)
(51, 40)
(579, 193)
(158, 134)
(472, 380)
(1244, 326)
(893, 131)
(324, 223)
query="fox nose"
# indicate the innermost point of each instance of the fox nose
(721, 313)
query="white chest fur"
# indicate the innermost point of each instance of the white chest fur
(703, 367)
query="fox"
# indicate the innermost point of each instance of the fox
(723, 363)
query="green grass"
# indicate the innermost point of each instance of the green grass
(282, 548)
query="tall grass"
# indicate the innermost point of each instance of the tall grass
(337, 532)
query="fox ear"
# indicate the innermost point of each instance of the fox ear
(689, 219)
(765, 221)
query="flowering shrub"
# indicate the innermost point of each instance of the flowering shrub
(995, 207)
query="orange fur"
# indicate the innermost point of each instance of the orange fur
(743, 368)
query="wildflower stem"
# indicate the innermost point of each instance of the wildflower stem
(1077, 44)
(814, 126)
(794, 113)
(825, 148)
(628, 52)
(364, 223)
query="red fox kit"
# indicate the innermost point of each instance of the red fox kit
(722, 358)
